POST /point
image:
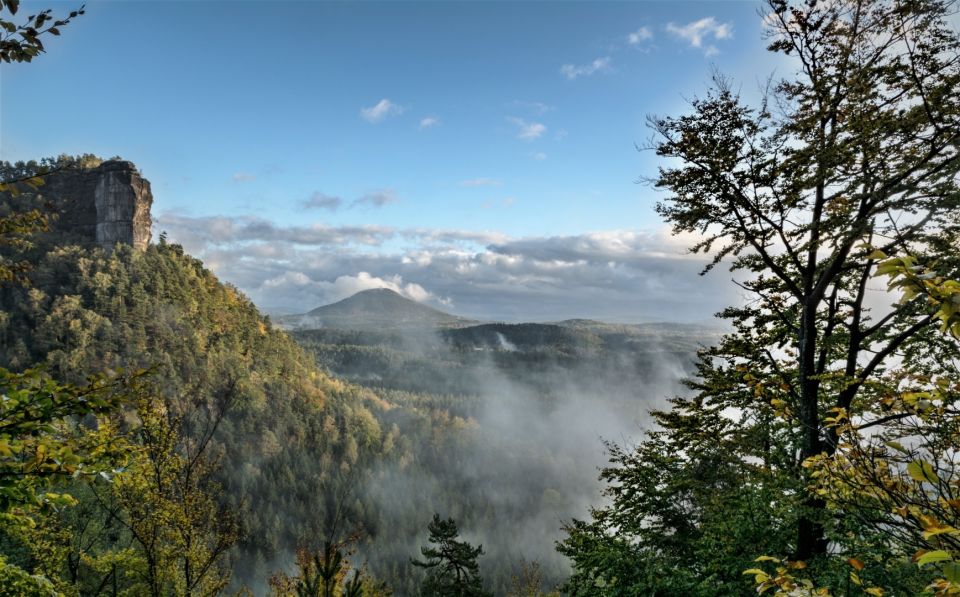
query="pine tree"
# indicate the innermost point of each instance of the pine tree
(451, 565)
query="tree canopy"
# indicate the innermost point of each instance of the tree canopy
(804, 195)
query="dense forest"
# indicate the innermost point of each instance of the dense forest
(160, 436)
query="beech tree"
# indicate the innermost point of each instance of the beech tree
(849, 161)
(853, 158)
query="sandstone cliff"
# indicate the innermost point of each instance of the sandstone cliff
(104, 205)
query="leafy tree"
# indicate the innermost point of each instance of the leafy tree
(169, 502)
(528, 582)
(895, 469)
(43, 449)
(14, 582)
(326, 573)
(39, 441)
(804, 195)
(855, 152)
(451, 565)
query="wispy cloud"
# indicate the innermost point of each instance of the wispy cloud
(528, 131)
(380, 110)
(319, 200)
(538, 155)
(480, 182)
(639, 36)
(376, 198)
(197, 233)
(697, 32)
(429, 121)
(538, 108)
(243, 177)
(572, 71)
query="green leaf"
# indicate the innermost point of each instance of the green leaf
(896, 446)
(921, 470)
(932, 557)
(951, 571)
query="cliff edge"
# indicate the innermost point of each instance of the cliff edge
(103, 205)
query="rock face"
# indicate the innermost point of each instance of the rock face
(105, 205)
(122, 200)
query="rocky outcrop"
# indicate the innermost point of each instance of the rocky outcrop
(122, 200)
(104, 205)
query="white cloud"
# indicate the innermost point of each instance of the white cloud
(243, 177)
(528, 131)
(481, 182)
(624, 275)
(538, 155)
(318, 200)
(571, 71)
(429, 121)
(322, 292)
(380, 110)
(696, 32)
(639, 36)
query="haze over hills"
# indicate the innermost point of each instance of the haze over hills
(377, 337)
(527, 405)
(374, 309)
(381, 309)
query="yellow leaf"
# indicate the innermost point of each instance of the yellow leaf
(939, 529)
(857, 564)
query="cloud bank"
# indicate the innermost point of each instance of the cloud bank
(615, 275)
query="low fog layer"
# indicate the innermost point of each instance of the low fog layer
(519, 416)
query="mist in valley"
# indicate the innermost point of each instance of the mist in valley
(508, 424)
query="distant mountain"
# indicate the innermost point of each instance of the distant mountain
(376, 309)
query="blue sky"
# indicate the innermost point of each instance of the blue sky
(376, 141)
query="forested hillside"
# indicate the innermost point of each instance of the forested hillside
(160, 436)
(292, 439)
(461, 422)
